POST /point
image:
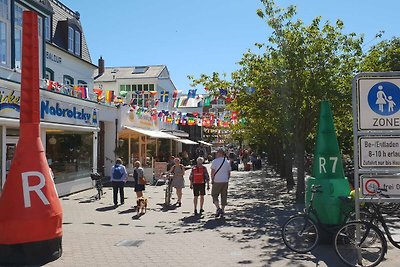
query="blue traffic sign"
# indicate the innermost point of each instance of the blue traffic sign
(384, 98)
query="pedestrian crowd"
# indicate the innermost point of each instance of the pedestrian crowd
(199, 179)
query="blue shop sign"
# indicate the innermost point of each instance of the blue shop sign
(67, 113)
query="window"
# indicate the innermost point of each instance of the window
(139, 69)
(145, 87)
(70, 39)
(151, 87)
(49, 74)
(47, 29)
(18, 36)
(80, 82)
(4, 5)
(3, 43)
(70, 154)
(77, 47)
(74, 41)
(68, 80)
(122, 87)
(128, 88)
(4, 28)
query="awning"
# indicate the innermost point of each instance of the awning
(187, 141)
(68, 127)
(178, 133)
(204, 143)
(151, 133)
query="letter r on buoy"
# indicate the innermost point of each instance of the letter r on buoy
(27, 189)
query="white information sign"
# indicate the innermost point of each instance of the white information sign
(378, 101)
(379, 151)
(371, 183)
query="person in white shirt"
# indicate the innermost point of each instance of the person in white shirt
(220, 174)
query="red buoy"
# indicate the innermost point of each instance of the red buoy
(30, 210)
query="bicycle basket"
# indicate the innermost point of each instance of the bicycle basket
(95, 176)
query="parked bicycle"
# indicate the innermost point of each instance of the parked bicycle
(98, 184)
(168, 189)
(300, 233)
(363, 243)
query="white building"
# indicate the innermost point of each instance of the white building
(148, 93)
(74, 126)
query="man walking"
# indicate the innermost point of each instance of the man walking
(118, 180)
(220, 174)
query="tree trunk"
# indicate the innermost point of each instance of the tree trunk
(300, 153)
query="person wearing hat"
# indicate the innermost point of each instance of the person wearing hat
(220, 174)
(118, 180)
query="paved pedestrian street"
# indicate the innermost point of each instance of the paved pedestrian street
(97, 234)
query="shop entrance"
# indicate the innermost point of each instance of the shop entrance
(11, 145)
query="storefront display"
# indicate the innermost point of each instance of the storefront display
(70, 154)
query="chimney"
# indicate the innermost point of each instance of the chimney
(101, 66)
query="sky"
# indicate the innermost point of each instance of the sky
(194, 37)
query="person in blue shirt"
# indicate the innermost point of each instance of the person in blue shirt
(119, 177)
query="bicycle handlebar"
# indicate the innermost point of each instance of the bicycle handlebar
(315, 188)
(378, 192)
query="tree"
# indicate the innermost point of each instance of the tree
(384, 56)
(298, 67)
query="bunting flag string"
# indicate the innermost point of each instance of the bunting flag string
(207, 120)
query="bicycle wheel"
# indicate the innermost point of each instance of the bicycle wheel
(167, 199)
(300, 234)
(367, 252)
(389, 207)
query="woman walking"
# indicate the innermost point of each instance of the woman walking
(178, 170)
(137, 175)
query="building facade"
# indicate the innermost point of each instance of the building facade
(74, 126)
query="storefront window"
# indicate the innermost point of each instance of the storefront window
(70, 154)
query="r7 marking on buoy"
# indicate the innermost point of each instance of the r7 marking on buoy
(27, 189)
(322, 162)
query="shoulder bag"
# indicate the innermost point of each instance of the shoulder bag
(219, 167)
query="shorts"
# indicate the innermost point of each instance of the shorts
(220, 188)
(199, 189)
(139, 187)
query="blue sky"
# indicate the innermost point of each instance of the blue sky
(192, 37)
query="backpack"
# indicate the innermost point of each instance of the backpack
(118, 172)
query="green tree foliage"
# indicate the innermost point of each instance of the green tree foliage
(384, 56)
(299, 66)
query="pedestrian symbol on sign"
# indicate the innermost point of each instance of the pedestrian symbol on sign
(384, 98)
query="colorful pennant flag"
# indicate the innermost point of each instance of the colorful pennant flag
(109, 96)
(223, 92)
(192, 93)
(207, 101)
(164, 95)
(175, 94)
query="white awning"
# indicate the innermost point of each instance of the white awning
(152, 133)
(187, 141)
(69, 127)
(204, 143)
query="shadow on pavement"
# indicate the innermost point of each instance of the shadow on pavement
(107, 208)
(257, 208)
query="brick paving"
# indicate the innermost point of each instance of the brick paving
(96, 234)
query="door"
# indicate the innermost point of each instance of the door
(11, 145)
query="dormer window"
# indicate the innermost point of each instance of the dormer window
(74, 41)
(140, 69)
